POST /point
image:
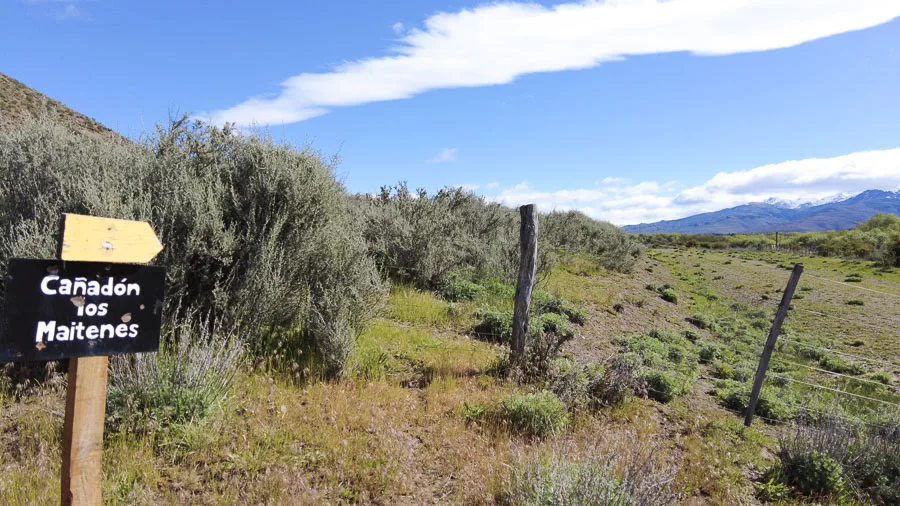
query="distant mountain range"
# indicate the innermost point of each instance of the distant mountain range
(837, 213)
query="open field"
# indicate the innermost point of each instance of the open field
(399, 428)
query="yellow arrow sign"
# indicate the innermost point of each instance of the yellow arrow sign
(93, 239)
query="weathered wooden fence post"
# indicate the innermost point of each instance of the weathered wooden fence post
(527, 269)
(770, 342)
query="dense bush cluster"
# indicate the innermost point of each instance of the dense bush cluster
(425, 239)
(574, 232)
(428, 239)
(255, 232)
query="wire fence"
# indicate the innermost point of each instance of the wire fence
(852, 395)
(848, 385)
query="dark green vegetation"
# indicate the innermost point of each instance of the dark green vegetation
(761, 217)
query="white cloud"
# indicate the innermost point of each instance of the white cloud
(69, 12)
(497, 42)
(492, 185)
(445, 155)
(397, 27)
(798, 181)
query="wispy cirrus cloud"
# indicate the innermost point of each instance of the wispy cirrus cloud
(797, 181)
(445, 155)
(497, 42)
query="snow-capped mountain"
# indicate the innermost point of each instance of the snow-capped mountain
(834, 213)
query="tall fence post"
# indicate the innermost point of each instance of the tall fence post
(527, 270)
(770, 342)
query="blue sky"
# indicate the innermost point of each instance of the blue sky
(630, 110)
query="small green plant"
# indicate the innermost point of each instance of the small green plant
(705, 322)
(594, 478)
(473, 413)
(182, 383)
(539, 414)
(663, 386)
(840, 365)
(495, 325)
(856, 302)
(669, 295)
(709, 352)
(814, 473)
(456, 289)
(882, 377)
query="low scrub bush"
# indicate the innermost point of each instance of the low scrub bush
(840, 365)
(882, 377)
(705, 322)
(495, 326)
(182, 383)
(574, 232)
(837, 460)
(596, 386)
(856, 302)
(456, 289)
(666, 363)
(594, 477)
(539, 414)
(669, 295)
(665, 386)
(545, 302)
(771, 407)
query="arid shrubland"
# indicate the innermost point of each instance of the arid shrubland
(256, 233)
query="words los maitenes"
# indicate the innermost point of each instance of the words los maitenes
(77, 289)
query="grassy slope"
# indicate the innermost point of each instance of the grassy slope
(392, 433)
(18, 101)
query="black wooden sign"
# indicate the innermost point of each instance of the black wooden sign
(60, 309)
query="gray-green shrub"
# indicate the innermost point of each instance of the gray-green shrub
(422, 239)
(833, 457)
(573, 231)
(182, 383)
(255, 232)
(595, 477)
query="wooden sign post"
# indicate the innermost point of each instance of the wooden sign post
(91, 303)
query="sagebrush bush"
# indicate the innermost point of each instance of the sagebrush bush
(818, 457)
(595, 477)
(546, 302)
(255, 232)
(666, 363)
(182, 383)
(423, 239)
(664, 386)
(573, 231)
